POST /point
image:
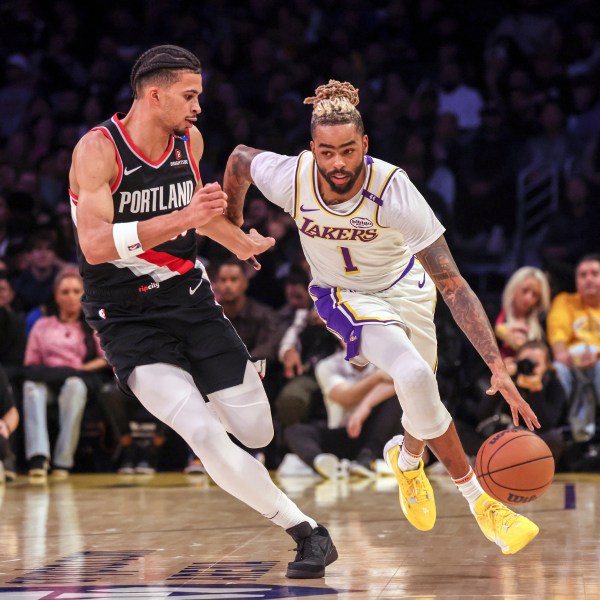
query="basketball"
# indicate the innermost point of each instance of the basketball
(515, 467)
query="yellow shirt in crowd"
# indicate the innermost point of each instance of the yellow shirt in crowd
(570, 322)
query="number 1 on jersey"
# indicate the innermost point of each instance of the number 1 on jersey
(350, 267)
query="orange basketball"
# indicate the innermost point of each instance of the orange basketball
(514, 466)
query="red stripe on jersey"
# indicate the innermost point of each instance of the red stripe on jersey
(117, 181)
(162, 259)
(193, 161)
(74, 197)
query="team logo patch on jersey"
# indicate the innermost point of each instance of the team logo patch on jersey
(361, 222)
(102, 313)
(179, 160)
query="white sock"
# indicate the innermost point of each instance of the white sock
(288, 514)
(469, 487)
(407, 461)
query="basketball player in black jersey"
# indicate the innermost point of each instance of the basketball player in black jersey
(137, 202)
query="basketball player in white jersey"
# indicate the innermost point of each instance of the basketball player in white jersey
(137, 201)
(377, 253)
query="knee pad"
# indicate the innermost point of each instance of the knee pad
(424, 415)
(245, 411)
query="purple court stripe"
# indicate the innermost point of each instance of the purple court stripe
(570, 501)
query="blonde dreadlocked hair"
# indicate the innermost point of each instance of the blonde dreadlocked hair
(334, 104)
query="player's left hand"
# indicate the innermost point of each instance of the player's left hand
(518, 406)
(255, 244)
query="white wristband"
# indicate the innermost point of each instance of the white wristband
(126, 239)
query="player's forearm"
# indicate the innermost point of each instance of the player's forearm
(464, 305)
(98, 243)
(222, 230)
(237, 180)
(11, 418)
(470, 316)
(352, 394)
(378, 394)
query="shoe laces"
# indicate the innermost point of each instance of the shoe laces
(499, 516)
(415, 488)
(303, 549)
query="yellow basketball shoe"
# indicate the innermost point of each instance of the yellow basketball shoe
(509, 530)
(416, 494)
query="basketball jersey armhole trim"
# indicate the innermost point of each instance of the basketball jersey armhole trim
(117, 182)
(297, 184)
(193, 163)
(384, 187)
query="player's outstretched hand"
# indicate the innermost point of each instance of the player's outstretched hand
(255, 244)
(207, 203)
(518, 406)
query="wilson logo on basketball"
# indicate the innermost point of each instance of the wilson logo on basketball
(497, 437)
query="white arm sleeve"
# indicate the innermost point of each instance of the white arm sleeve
(273, 174)
(408, 212)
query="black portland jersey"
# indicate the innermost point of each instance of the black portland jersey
(144, 189)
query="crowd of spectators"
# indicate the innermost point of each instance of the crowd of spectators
(465, 96)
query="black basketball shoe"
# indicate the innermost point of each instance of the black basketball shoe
(314, 551)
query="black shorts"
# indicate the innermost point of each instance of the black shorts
(177, 322)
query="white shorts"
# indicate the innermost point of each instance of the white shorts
(409, 303)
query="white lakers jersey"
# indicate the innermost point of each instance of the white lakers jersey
(365, 244)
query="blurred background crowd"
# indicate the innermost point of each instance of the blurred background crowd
(493, 110)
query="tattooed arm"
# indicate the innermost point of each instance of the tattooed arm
(237, 180)
(470, 316)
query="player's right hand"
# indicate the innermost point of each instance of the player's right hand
(518, 406)
(207, 203)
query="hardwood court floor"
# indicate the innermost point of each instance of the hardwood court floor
(102, 536)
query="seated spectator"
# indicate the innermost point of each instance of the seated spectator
(255, 322)
(34, 286)
(138, 433)
(538, 383)
(12, 330)
(296, 297)
(525, 302)
(63, 358)
(9, 419)
(362, 414)
(574, 331)
(303, 345)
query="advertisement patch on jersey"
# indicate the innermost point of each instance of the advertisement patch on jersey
(361, 222)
